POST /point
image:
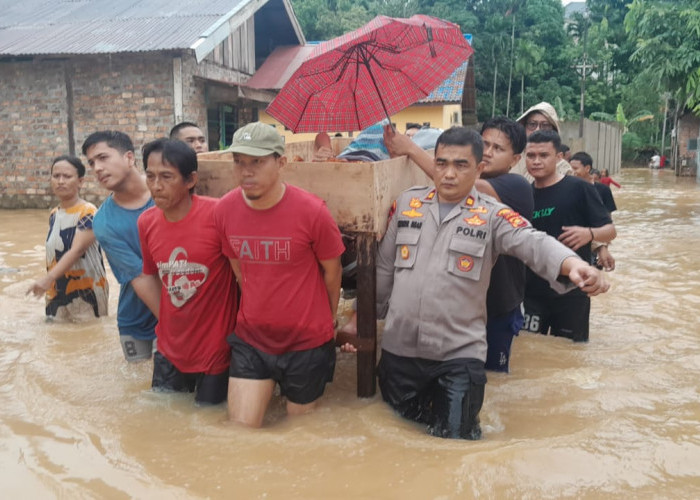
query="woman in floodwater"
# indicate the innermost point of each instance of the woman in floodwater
(75, 284)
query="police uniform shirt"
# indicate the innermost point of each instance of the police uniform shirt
(432, 276)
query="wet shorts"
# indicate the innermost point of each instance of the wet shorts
(499, 335)
(561, 316)
(445, 395)
(301, 375)
(208, 389)
(136, 349)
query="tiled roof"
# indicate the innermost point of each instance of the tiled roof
(450, 90)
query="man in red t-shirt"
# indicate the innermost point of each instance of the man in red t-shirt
(189, 274)
(285, 249)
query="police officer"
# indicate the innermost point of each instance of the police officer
(433, 272)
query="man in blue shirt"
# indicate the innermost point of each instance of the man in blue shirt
(111, 155)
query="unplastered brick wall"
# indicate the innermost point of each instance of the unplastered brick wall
(689, 130)
(128, 92)
(32, 130)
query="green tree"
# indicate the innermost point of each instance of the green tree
(667, 45)
(667, 37)
(528, 56)
(622, 119)
(326, 19)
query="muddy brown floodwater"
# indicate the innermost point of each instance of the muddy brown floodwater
(619, 416)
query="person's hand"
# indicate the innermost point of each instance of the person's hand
(397, 144)
(605, 258)
(349, 348)
(575, 237)
(322, 154)
(40, 286)
(589, 279)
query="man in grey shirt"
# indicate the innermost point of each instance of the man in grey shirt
(433, 272)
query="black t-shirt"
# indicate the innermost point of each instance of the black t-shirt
(606, 195)
(569, 202)
(507, 285)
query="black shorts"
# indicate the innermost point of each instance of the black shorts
(209, 389)
(445, 395)
(301, 375)
(561, 316)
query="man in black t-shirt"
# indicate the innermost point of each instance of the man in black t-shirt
(571, 210)
(582, 164)
(504, 140)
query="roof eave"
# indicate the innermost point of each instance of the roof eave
(295, 22)
(230, 22)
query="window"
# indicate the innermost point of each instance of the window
(222, 121)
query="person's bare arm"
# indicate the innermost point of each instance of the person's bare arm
(605, 258)
(575, 237)
(485, 187)
(81, 242)
(236, 269)
(400, 144)
(147, 287)
(332, 271)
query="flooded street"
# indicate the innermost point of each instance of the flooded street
(618, 416)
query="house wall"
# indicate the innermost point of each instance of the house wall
(439, 116)
(33, 129)
(688, 130)
(132, 93)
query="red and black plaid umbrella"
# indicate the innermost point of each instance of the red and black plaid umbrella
(355, 80)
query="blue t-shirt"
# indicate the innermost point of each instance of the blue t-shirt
(116, 230)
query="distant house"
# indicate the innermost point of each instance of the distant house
(688, 144)
(442, 108)
(72, 67)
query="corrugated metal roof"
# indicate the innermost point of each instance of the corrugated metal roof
(279, 67)
(29, 27)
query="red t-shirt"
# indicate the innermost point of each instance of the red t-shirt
(198, 297)
(284, 302)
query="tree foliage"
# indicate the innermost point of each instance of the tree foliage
(667, 40)
(636, 50)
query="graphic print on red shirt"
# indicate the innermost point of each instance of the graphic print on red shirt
(198, 296)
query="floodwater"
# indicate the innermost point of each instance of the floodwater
(618, 416)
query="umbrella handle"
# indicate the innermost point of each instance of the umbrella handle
(365, 61)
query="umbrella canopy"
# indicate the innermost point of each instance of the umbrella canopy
(353, 81)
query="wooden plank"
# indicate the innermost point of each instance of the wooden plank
(366, 315)
(358, 194)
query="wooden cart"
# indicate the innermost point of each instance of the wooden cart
(359, 196)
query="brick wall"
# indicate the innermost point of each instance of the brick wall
(132, 93)
(33, 130)
(128, 92)
(689, 128)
